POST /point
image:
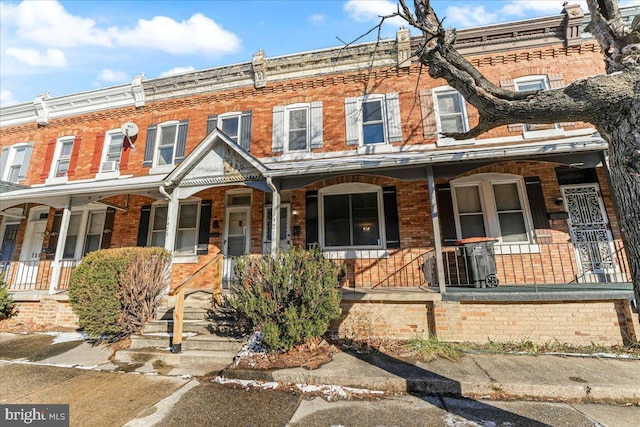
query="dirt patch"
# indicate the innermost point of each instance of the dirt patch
(26, 326)
(310, 355)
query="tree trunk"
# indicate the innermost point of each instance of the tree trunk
(621, 128)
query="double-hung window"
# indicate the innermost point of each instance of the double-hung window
(84, 233)
(373, 119)
(351, 216)
(535, 83)
(492, 205)
(297, 128)
(235, 125)
(451, 111)
(14, 162)
(166, 143)
(65, 149)
(112, 151)
(186, 227)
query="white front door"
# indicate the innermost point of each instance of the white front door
(589, 228)
(30, 254)
(237, 239)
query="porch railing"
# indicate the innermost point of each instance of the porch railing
(36, 275)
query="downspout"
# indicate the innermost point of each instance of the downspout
(437, 242)
(170, 230)
(275, 216)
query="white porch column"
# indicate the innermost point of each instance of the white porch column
(172, 223)
(57, 259)
(437, 239)
(275, 217)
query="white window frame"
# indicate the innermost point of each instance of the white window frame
(85, 214)
(233, 115)
(446, 90)
(159, 139)
(105, 152)
(288, 109)
(53, 178)
(11, 157)
(485, 183)
(383, 112)
(350, 189)
(555, 130)
(189, 201)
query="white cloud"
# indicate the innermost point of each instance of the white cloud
(317, 19)
(34, 58)
(6, 97)
(49, 24)
(198, 35)
(177, 70)
(467, 16)
(517, 9)
(112, 76)
(371, 10)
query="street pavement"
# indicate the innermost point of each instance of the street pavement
(39, 368)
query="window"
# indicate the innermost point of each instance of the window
(14, 162)
(530, 83)
(112, 151)
(84, 234)
(166, 143)
(186, 230)
(351, 216)
(451, 111)
(373, 119)
(236, 125)
(297, 127)
(65, 148)
(492, 205)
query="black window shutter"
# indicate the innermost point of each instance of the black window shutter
(203, 228)
(54, 232)
(391, 223)
(143, 227)
(245, 130)
(181, 144)
(149, 145)
(107, 231)
(536, 203)
(311, 218)
(212, 122)
(446, 215)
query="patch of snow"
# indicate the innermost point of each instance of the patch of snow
(254, 345)
(60, 337)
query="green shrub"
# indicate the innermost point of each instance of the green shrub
(115, 291)
(290, 297)
(6, 301)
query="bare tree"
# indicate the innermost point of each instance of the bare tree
(610, 102)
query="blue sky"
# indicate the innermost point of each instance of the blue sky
(74, 46)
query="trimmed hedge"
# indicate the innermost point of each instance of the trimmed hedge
(290, 297)
(115, 291)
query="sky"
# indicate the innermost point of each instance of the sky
(64, 47)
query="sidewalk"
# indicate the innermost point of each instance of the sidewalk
(476, 375)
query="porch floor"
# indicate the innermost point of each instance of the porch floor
(557, 292)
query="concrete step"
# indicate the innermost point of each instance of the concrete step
(195, 326)
(188, 361)
(210, 343)
(189, 313)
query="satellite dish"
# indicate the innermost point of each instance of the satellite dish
(129, 129)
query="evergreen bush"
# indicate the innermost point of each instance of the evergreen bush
(115, 291)
(6, 301)
(290, 297)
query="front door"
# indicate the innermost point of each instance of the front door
(589, 228)
(8, 248)
(237, 239)
(30, 254)
(285, 229)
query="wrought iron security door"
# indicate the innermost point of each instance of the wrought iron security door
(589, 228)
